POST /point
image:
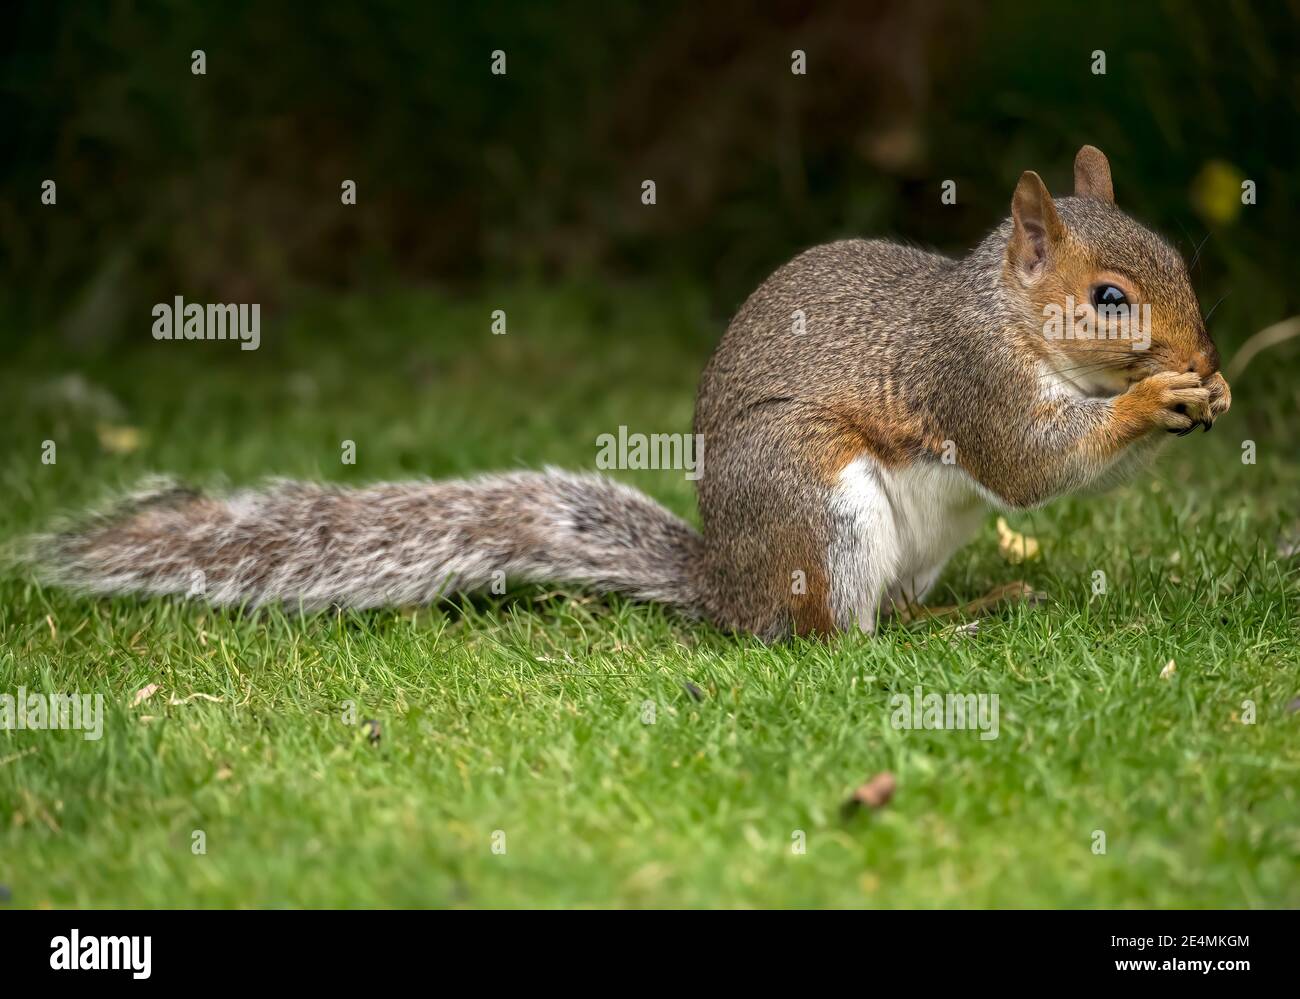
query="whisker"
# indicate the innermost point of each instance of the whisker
(1103, 352)
(1089, 365)
(1206, 320)
(1080, 370)
(1197, 256)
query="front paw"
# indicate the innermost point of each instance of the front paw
(1174, 401)
(1220, 396)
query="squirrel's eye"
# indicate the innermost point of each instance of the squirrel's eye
(1108, 294)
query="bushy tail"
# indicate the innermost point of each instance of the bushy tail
(317, 546)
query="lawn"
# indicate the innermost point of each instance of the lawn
(548, 748)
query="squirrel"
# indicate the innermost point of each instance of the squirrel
(868, 406)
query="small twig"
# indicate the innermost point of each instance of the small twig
(17, 756)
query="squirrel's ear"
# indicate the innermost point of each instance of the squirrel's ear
(1035, 226)
(1092, 175)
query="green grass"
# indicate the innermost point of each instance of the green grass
(525, 714)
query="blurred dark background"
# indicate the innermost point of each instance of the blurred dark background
(226, 186)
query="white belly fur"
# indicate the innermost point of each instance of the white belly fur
(893, 530)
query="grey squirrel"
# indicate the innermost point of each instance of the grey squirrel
(849, 453)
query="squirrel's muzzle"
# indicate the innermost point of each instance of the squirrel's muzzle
(1205, 361)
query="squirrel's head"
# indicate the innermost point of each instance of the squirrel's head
(1112, 298)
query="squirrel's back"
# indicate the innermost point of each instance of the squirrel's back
(842, 303)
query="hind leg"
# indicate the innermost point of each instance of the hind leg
(766, 557)
(784, 557)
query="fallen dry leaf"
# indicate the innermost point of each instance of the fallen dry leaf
(1014, 546)
(875, 793)
(144, 693)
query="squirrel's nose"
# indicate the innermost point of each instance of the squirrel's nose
(1204, 362)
